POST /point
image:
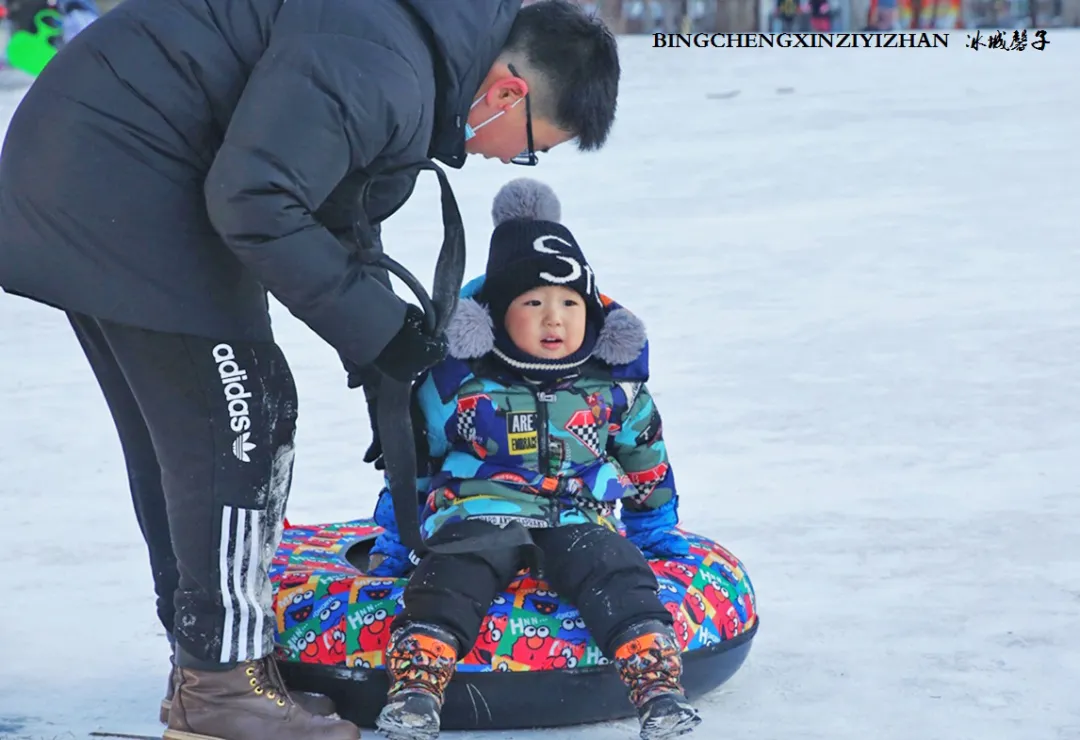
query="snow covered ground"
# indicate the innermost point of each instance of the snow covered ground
(860, 273)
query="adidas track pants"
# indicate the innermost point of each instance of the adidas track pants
(206, 429)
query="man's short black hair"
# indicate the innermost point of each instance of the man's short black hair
(577, 59)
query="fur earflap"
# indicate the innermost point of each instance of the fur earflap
(471, 334)
(622, 338)
(525, 198)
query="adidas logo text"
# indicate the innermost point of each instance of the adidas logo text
(232, 377)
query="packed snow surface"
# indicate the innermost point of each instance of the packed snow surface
(859, 270)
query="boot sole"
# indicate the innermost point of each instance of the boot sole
(166, 706)
(662, 730)
(181, 735)
(396, 731)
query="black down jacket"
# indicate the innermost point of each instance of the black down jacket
(181, 157)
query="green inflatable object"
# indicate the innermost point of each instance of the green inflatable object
(30, 52)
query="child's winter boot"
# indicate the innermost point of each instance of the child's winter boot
(647, 656)
(420, 661)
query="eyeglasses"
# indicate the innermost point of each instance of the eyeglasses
(528, 157)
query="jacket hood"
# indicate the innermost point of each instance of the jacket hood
(471, 334)
(471, 331)
(466, 37)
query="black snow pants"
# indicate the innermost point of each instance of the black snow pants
(599, 571)
(206, 429)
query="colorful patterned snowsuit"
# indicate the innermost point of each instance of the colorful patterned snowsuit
(507, 450)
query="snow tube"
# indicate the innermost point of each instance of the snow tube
(534, 663)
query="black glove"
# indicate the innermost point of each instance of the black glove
(367, 377)
(412, 350)
(374, 450)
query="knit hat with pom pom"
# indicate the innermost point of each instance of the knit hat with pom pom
(530, 249)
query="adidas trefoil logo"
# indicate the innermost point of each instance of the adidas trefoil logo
(241, 447)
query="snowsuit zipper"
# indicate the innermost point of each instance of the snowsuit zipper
(542, 441)
(543, 452)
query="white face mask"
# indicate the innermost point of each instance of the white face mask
(470, 131)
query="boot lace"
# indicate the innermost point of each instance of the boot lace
(265, 680)
(650, 665)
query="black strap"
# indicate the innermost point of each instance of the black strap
(393, 403)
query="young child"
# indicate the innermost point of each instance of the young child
(540, 416)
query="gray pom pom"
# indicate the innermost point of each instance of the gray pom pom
(526, 198)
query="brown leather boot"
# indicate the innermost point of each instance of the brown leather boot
(420, 661)
(166, 703)
(650, 664)
(248, 702)
(314, 703)
(170, 687)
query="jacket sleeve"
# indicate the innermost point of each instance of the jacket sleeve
(638, 446)
(367, 376)
(439, 408)
(316, 108)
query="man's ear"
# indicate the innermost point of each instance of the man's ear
(506, 91)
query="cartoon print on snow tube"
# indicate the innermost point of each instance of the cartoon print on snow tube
(534, 663)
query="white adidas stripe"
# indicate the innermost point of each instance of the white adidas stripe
(252, 573)
(237, 567)
(239, 571)
(224, 561)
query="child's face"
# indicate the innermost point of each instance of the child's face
(547, 322)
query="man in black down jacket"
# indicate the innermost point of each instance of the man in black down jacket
(179, 159)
